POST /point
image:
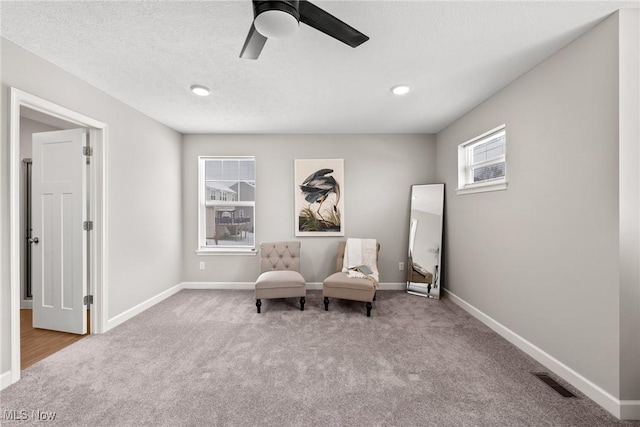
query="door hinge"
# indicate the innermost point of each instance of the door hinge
(88, 299)
(87, 150)
(87, 225)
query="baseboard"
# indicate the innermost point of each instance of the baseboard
(628, 410)
(5, 380)
(229, 286)
(134, 311)
(26, 304)
(311, 286)
(393, 286)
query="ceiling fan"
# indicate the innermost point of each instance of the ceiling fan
(274, 19)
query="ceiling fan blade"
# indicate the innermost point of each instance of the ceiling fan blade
(253, 44)
(323, 21)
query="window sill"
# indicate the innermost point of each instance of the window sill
(482, 188)
(226, 251)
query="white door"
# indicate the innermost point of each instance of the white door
(59, 246)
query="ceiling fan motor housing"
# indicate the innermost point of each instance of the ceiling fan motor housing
(276, 18)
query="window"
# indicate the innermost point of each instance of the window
(482, 163)
(226, 213)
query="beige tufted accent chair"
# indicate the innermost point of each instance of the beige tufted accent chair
(280, 273)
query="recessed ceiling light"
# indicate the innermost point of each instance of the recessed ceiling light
(200, 90)
(400, 89)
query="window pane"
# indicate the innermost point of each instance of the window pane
(213, 169)
(495, 142)
(221, 191)
(485, 173)
(246, 191)
(490, 149)
(230, 226)
(479, 155)
(230, 180)
(495, 152)
(246, 170)
(230, 169)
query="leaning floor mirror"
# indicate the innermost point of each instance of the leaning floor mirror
(425, 240)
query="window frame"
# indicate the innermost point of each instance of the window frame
(466, 167)
(204, 202)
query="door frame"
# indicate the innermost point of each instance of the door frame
(97, 207)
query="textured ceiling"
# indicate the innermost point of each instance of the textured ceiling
(453, 54)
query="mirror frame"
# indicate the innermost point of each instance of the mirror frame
(425, 282)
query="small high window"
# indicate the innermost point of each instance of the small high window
(482, 164)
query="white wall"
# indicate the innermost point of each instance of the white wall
(144, 216)
(379, 171)
(543, 257)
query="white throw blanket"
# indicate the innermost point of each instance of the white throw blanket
(361, 252)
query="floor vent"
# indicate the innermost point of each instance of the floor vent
(544, 377)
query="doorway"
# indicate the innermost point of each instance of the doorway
(40, 334)
(27, 109)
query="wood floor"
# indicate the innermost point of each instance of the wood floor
(36, 344)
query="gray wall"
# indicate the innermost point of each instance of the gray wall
(379, 171)
(143, 187)
(553, 258)
(629, 91)
(542, 258)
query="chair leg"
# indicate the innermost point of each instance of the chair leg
(326, 304)
(374, 295)
(301, 303)
(258, 304)
(369, 306)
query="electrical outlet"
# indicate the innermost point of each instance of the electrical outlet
(201, 265)
(401, 266)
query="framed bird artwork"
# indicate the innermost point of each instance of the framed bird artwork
(319, 197)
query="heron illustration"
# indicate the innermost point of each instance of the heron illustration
(317, 187)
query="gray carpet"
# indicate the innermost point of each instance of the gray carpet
(206, 358)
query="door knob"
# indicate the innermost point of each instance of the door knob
(34, 240)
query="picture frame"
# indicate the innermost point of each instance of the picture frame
(319, 197)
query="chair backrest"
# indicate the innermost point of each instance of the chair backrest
(279, 256)
(342, 245)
